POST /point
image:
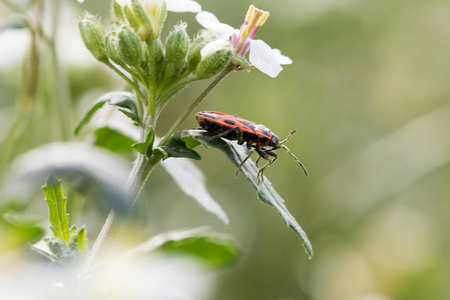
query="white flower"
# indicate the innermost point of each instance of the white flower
(262, 56)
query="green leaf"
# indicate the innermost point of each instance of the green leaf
(113, 140)
(266, 193)
(59, 218)
(180, 145)
(94, 170)
(81, 240)
(125, 100)
(146, 147)
(192, 182)
(18, 230)
(212, 248)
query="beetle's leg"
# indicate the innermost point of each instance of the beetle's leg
(241, 137)
(243, 162)
(224, 133)
(266, 155)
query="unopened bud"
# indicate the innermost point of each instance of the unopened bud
(177, 45)
(118, 11)
(145, 26)
(129, 46)
(158, 50)
(158, 13)
(213, 63)
(112, 49)
(129, 15)
(194, 56)
(93, 35)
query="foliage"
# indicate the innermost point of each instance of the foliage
(97, 169)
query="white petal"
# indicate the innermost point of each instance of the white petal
(123, 2)
(80, 1)
(214, 46)
(282, 59)
(263, 58)
(183, 6)
(210, 21)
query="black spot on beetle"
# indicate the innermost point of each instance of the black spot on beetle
(230, 122)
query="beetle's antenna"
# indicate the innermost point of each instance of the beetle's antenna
(293, 156)
(296, 159)
(288, 137)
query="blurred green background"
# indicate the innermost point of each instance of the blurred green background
(369, 95)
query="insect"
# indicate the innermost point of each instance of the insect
(258, 137)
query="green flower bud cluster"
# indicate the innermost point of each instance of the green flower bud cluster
(133, 43)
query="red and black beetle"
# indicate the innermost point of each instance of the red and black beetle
(257, 136)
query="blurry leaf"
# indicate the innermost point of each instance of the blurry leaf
(113, 140)
(180, 144)
(45, 253)
(13, 24)
(212, 248)
(81, 240)
(56, 202)
(192, 182)
(90, 169)
(125, 100)
(266, 193)
(17, 230)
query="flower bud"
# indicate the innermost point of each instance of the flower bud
(129, 15)
(213, 63)
(177, 45)
(194, 56)
(93, 35)
(111, 43)
(129, 47)
(145, 26)
(158, 50)
(118, 11)
(157, 9)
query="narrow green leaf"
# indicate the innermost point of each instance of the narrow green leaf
(212, 248)
(125, 100)
(81, 240)
(180, 145)
(45, 253)
(87, 116)
(56, 203)
(266, 193)
(191, 181)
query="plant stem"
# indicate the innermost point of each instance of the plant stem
(178, 122)
(139, 174)
(108, 234)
